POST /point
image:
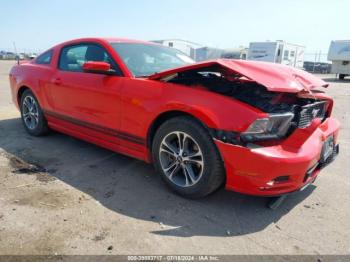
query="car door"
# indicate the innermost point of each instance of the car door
(88, 103)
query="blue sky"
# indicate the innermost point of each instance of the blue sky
(37, 25)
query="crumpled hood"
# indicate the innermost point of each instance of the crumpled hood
(275, 77)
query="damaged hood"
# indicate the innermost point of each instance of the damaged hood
(275, 77)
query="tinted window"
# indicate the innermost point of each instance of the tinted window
(146, 59)
(45, 58)
(73, 57)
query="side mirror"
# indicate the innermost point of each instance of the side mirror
(97, 67)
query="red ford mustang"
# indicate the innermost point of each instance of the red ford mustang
(260, 128)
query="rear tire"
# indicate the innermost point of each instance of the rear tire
(341, 76)
(32, 115)
(186, 157)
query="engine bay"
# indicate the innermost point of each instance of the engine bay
(254, 94)
(243, 90)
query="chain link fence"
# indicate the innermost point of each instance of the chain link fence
(316, 62)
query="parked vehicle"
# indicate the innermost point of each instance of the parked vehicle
(7, 55)
(317, 67)
(259, 128)
(339, 54)
(32, 56)
(277, 52)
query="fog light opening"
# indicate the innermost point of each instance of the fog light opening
(281, 179)
(277, 180)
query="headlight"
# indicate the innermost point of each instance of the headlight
(274, 126)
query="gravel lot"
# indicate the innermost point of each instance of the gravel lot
(59, 195)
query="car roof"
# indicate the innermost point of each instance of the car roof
(124, 40)
(104, 39)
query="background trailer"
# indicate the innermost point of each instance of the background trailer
(339, 54)
(277, 52)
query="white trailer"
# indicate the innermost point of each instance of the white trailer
(339, 54)
(277, 52)
(187, 47)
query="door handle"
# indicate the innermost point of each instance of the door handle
(57, 81)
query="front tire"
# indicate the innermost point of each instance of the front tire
(32, 115)
(186, 157)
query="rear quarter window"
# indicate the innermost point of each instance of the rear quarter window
(45, 58)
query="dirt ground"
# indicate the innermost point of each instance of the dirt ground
(59, 195)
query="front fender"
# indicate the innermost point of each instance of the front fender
(214, 110)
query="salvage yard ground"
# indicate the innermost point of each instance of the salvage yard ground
(59, 195)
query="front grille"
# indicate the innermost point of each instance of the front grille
(310, 112)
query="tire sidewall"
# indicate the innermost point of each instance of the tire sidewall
(207, 146)
(42, 126)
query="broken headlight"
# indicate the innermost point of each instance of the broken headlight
(275, 126)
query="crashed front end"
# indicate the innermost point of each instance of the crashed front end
(293, 136)
(283, 151)
(272, 168)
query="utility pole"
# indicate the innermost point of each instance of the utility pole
(14, 46)
(17, 56)
(313, 70)
(319, 56)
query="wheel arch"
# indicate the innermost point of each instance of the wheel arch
(20, 93)
(163, 117)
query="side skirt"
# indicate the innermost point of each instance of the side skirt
(105, 137)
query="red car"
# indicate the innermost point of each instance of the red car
(259, 128)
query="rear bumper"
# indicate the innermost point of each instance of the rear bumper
(251, 170)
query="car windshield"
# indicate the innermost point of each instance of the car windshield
(146, 59)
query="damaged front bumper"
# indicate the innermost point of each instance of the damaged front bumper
(283, 168)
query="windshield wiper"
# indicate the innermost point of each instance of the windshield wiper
(142, 76)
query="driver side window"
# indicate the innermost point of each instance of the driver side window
(73, 57)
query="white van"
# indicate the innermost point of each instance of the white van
(339, 54)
